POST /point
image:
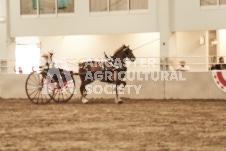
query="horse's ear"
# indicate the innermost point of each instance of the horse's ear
(124, 46)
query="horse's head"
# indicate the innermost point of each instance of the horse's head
(128, 53)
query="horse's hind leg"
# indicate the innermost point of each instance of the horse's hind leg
(124, 83)
(117, 100)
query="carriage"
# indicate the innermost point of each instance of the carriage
(50, 84)
(59, 85)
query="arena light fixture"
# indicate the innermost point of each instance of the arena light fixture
(202, 40)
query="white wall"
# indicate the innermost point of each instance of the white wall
(91, 46)
(198, 85)
(188, 44)
(188, 16)
(184, 15)
(222, 43)
(94, 46)
(82, 22)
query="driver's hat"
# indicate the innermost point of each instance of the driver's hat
(182, 61)
(45, 55)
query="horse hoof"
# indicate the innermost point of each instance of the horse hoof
(85, 101)
(121, 89)
(120, 102)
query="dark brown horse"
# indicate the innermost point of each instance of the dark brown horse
(111, 71)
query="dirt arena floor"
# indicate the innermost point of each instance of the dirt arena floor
(141, 125)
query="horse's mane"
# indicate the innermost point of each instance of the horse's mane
(118, 50)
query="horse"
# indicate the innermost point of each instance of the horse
(113, 71)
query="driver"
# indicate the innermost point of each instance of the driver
(44, 61)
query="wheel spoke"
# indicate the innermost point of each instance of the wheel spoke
(36, 78)
(54, 93)
(32, 88)
(71, 89)
(41, 97)
(62, 95)
(31, 84)
(34, 92)
(39, 80)
(38, 96)
(46, 97)
(58, 96)
(32, 80)
(68, 92)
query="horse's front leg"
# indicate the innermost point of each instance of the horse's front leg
(119, 81)
(117, 99)
(122, 85)
(122, 82)
(83, 92)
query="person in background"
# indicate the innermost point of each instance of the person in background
(19, 70)
(183, 66)
(44, 65)
(45, 61)
(221, 65)
(213, 60)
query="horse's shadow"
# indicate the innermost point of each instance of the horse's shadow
(93, 101)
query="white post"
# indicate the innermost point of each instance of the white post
(167, 46)
(4, 33)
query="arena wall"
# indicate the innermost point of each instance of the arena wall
(221, 42)
(198, 85)
(184, 15)
(187, 15)
(82, 22)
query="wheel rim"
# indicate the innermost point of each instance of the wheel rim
(37, 89)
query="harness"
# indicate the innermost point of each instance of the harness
(115, 67)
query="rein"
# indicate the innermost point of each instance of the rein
(146, 44)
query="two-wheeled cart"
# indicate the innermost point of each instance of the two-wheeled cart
(50, 84)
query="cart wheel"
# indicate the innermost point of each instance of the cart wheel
(37, 88)
(61, 95)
